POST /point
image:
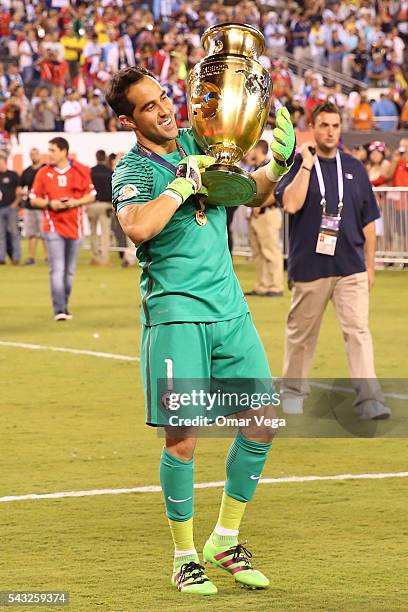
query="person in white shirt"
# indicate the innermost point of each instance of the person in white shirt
(28, 52)
(71, 112)
(317, 44)
(120, 55)
(275, 33)
(398, 46)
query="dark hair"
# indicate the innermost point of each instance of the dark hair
(60, 142)
(326, 107)
(263, 146)
(118, 87)
(100, 155)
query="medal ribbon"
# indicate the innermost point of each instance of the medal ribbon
(340, 184)
(145, 152)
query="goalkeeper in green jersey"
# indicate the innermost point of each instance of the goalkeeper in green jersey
(196, 323)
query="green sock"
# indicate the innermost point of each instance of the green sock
(177, 482)
(245, 463)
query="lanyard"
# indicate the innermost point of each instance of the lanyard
(146, 152)
(322, 186)
(158, 159)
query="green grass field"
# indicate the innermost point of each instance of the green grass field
(74, 422)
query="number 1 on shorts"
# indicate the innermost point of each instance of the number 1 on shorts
(169, 373)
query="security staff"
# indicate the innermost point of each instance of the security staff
(100, 211)
(265, 224)
(331, 257)
(10, 197)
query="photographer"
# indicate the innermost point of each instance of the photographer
(45, 112)
(398, 169)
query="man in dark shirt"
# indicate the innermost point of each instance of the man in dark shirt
(32, 216)
(300, 29)
(100, 211)
(331, 257)
(10, 196)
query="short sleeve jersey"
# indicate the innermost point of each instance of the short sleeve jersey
(9, 181)
(360, 208)
(187, 272)
(54, 184)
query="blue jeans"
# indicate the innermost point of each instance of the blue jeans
(9, 225)
(62, 260)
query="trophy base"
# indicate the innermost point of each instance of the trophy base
(228, 186)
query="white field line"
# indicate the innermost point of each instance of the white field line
(60, 349)
(200, 485)
(400, 396)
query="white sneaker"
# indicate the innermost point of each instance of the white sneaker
(372, 410)
(68, 315)
(292, 405)
(60, 316)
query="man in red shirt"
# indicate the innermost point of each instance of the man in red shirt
(61, 188)
(398, 172)
(399, 165)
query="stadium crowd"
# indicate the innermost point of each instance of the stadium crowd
(56, 57)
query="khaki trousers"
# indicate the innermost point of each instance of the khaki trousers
(264, 240)
(98, 212)
(349, 295)
(130, 252)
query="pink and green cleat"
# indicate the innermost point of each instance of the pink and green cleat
(191, 578)
(236, 561)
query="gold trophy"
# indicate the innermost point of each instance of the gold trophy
(229, 94)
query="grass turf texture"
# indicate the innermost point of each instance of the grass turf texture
(73, 422)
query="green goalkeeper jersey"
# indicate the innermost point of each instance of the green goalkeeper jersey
(187, 272)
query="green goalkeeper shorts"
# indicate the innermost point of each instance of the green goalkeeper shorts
(182, 363)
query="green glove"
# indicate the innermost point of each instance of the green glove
(283, 146)
(188, 177)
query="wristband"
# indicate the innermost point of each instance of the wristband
(274, 172)
(174, 195)
(308, 169)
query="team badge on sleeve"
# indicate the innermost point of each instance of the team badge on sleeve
(127, 192)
